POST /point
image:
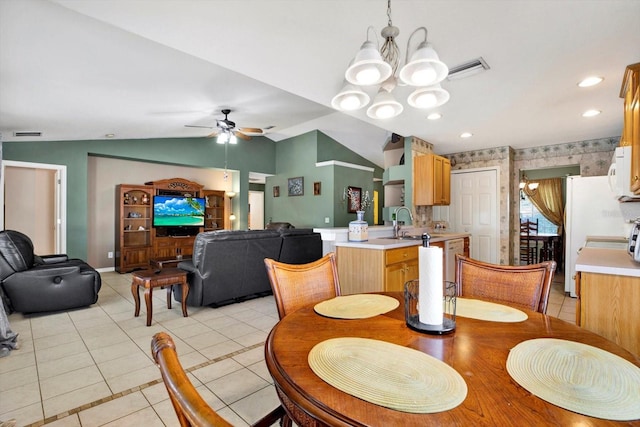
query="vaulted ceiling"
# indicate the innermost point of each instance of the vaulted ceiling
(78, 69)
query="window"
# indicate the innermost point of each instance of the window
(529, 211)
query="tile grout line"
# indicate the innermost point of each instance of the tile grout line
(137, 388)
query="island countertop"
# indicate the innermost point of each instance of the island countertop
(388, 243)
(607, 261)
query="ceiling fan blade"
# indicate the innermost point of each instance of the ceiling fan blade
(196, 126)
(252, 130)
(212, 134)
(241, 135)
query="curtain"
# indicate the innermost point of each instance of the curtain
(547, 198)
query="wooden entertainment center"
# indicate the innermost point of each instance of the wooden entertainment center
(137, 241)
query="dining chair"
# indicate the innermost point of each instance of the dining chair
(297, 285)
(190, 407)
(528, 246)
(520, 286)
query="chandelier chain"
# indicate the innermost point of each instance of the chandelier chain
(390, 51)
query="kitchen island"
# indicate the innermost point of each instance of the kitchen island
(608, 290)
(385, 264)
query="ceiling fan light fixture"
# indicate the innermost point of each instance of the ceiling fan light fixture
(384, 106)
(428, 97)
(222, 138)
(367, 68)
(350, 98)
(233, 139)
(425, 67)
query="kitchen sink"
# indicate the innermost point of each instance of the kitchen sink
(407, 237)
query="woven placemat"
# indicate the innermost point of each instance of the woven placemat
(484, 310)
(359, 306)
(577, 377)
(388, 375)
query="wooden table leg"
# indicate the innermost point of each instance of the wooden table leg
(135, 287)
(169, 288)
(185, 293)
(148, 294)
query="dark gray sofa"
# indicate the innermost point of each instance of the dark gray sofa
(228, 266)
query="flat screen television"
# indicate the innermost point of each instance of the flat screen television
(178, 211)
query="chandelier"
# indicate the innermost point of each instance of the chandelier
(377, 66)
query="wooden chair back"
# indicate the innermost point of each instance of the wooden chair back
(190, 407)
(528, 246)
(297, 285)
(521, 286)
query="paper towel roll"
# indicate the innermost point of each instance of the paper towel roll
(430, 289)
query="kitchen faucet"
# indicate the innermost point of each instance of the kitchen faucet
(396, 227)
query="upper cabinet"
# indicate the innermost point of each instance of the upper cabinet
(431, 180)
(630, 91)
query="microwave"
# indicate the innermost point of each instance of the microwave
(620, 175)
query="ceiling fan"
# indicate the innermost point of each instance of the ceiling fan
(227, 126)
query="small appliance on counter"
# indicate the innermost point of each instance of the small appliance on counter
(633, 246)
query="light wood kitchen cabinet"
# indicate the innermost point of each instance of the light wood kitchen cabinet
(630, 92)
(431, 180)
(607, 305)
(401, 265)
(375, 270)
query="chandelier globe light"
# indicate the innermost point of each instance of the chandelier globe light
(350, 98)
(425, 67)
(428, 97)
(372, 66)
(368, 68)
(384, 106)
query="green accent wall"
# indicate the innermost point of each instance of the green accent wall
(290, 158)
(297, 157)
(258, 155)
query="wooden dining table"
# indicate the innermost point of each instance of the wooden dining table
(477, 350)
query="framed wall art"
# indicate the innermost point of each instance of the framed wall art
(354, 196)
(316, 188)
(276, 191)
(296, 186)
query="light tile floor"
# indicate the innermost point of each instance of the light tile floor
(93, 367)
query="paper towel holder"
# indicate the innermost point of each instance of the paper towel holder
(412, 318)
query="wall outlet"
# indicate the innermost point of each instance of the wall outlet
(327, 220)
(109, 254)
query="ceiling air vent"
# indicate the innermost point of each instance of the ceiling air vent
(19, 134)
(467, 69)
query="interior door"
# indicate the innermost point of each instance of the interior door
(34, 203)
(475, 209)
(256, 210)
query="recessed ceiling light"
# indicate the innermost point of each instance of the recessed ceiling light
(434, 116)
(110, 135)
(466, 135)
(591, 113)
(590, 81)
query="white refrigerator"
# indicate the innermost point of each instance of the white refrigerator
(591, 209)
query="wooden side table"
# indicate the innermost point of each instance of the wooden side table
(156, 263)
(150, 279)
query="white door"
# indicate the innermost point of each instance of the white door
(475, 209)
(256, 210)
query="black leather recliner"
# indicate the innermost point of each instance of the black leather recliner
(35, 283)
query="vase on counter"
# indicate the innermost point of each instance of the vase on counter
(359, 229)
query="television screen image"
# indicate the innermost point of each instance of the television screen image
(177, 211)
